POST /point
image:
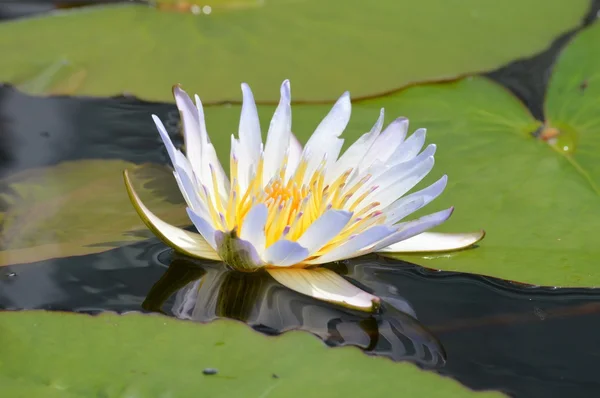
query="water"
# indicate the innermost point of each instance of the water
(487, 333)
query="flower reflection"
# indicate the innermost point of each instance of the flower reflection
(203, 292)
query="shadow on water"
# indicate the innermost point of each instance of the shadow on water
(67, 128)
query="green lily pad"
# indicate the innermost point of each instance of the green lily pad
(325, 48)
(80, 207)
(155, 356)
(573, 104)
(540, 213)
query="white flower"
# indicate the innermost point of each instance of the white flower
(290, 209)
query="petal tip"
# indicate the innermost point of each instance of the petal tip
(375, 303)
(177, 88)
(480, 235)
(285, 90)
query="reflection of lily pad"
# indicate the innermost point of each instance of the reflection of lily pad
(540, 213)
(78, 208)
(324, 47)
(155, 356)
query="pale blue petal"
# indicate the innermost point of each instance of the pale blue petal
(356, 246)
(253, 229)
(411, 228)
(284, 253)
(325, 228)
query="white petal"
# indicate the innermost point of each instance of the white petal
(201, 122)
(411, 228)
(326, 285)
(189, 189)
(204, 227)
(387, 142)
(190, 195)
(249, 131)
(284, 253)
(386, 176)
(325, 228)
(409, 148)
(250, 137)
(324, 143)
(253, 229)
(237, 253)
(431, 242)
(295, 151)
(209, 155)
(193, 134)
(401, 182)
(356, 246)
(278, 138)
(181, 240)
(413, 202)
(211, 160)
(175, 155)
(393, 171)
(356, 152)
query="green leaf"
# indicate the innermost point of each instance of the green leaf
(154, 356)
(80, 207)
(540, 213)
(573, 104)
(325, 48)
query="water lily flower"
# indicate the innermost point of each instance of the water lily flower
(289, 209)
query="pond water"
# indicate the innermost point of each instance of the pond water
(487, 333)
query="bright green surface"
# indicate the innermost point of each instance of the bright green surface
(324, 47)
(541, 215)
(68, 355)
(573, 103)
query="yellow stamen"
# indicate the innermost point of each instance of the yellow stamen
(293, 204)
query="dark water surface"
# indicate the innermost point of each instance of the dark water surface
(485, 332)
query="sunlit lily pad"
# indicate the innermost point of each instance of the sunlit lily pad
(573, 105)
(79, 207)
(540, 212)
(154, 356)
(325, 48)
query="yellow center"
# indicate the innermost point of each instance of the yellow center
(293, 206)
